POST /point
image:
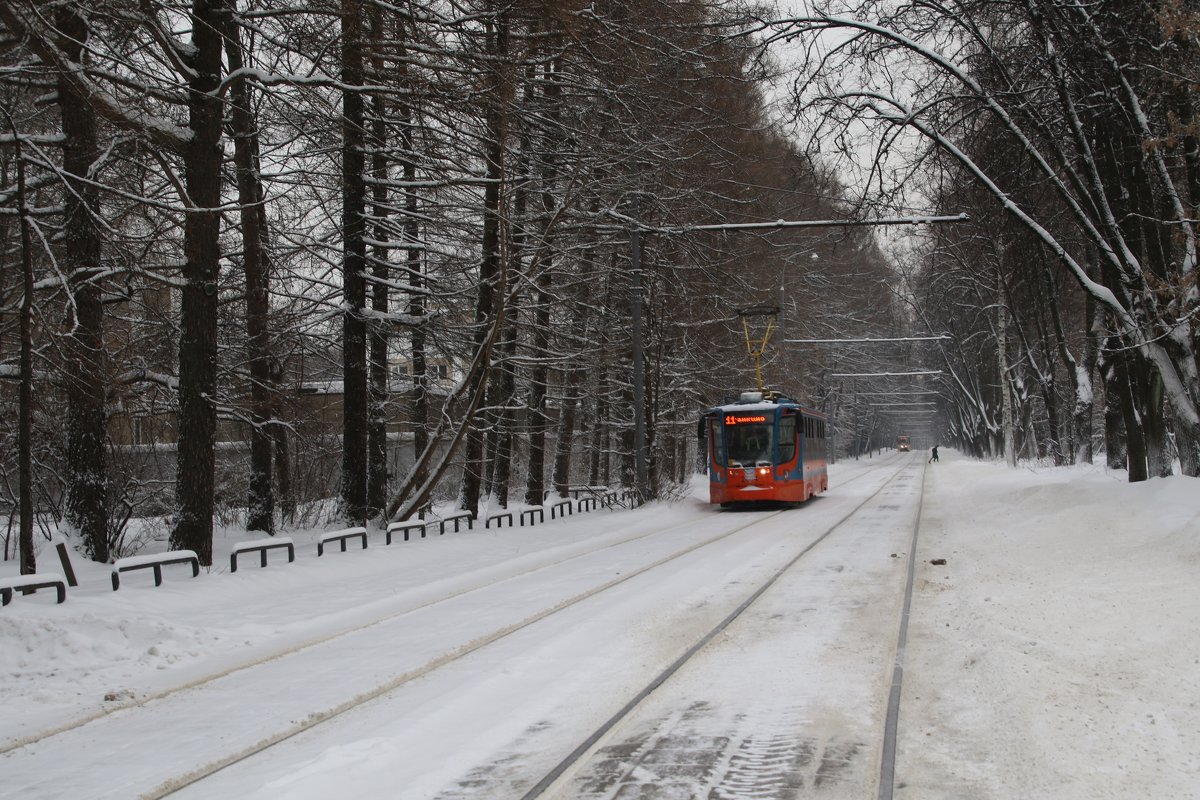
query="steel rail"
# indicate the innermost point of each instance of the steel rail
(891, 724)
(587, 746)
(178, 783)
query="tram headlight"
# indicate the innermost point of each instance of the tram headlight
(764, 471)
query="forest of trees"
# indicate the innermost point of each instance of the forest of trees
(1068, 132)
(251, 250)
(273, 264)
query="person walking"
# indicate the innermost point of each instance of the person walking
(933, 458)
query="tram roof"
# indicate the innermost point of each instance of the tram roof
(763, 405)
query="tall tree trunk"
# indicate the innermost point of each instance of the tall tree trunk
(377, 450)
(598, 463)
(198, 305)
(495, 124)
(354, 260)
(1115, 454)
(1006, 404)
(414, 259)
(565, 442)
(1078, 378)
(1085, 392)
(507, 384)
(501, 434)
(87, 423)
(538, 422)
(506, 438)
(1152, 412)
(25, 367)
(1120, 384)
(260, 505)
(283, 463)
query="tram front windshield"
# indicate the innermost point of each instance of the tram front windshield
(748, 443)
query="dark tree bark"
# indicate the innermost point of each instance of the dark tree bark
(377, 450)
(1118, 383)
(87, 422)
(572, 385)
(260, 503)
(198, 334)
(598, 465)
(537, 421)
(1085, 400)
(25, 368)
(283, 463)
(507, 395)
(354, 259)
(414, 258)
(506, 385)
(495, 124)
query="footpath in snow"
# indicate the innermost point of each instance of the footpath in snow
(1055, 653)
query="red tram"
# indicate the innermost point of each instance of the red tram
(765, 448)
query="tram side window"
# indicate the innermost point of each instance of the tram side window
(717, 437)
(787, 439)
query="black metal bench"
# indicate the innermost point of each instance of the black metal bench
(405, 528)
(28, 584)
(154, 562)
(588, 503)
(562, 508)
(541, 512)
(261, 547)
(341, 537)
(456, 519)
(499, 519)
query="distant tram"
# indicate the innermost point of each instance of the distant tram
(764, 448)
(902, 444)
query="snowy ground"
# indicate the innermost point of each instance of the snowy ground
(1056, 653)
(1053, 655)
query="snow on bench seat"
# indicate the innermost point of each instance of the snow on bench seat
(155, 562)
(261, 546)
(38, 580)
(341, 537)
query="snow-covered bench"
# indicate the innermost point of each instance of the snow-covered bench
(405, 528)
(341, 537)
(261, 546)
(541, 513)
(456, 518)
(154, 561)
(561, 508)
(499, 519)
(31, 583)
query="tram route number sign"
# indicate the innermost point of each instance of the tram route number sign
(739, 419)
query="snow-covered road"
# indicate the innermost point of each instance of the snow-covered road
(1051, 655)
(491, 676)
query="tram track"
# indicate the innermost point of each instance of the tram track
(556, 780)
(171, 788)
(314, 718)
(121, 706)
(118, 707)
